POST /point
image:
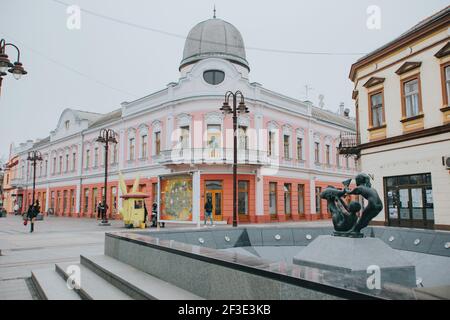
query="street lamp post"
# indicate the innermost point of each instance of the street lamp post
(235, 109)
(16, 69)
(34, 156)
(106, 136)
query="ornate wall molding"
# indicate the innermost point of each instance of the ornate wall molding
(184, 120)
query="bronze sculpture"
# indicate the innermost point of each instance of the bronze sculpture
(345, 220)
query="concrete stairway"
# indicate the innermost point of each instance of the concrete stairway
(105, 278)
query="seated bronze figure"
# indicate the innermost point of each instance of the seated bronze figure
(345, 219)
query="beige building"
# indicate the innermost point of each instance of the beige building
(402, 94)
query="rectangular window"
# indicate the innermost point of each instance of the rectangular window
(46, 167)
(214, 135)
(184, 137)
(86, 200)
(446, 83)
(74, 161)
(376, 110)
(64, 210)
(154, 192)
(316, 152)
(58, 202)
(338, 158)
(243, 197)
(411, 98)
(286, 145)
(67, 124)
(94, 200)
(88, 158)
(60, 164)
(114, 199)
(72, 201)
(131, 148)
(287, 198)
(301, 198)
(273, 198)
(318, 200)
(271, 143)
(243, 138)
(157, 143)
(114, 157)
(54, 166)
(52, 201)
(299, 148)
(67, 163)
(96, 157)
(327, 154)
(144, 146)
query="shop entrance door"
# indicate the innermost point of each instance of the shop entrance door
(215, 193)
(409, 201)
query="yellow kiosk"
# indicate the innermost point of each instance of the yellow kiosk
(133, 205)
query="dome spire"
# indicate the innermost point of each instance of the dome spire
(214, 16)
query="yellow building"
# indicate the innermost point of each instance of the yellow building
(402, 94)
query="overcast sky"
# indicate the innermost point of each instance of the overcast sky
(105, 62)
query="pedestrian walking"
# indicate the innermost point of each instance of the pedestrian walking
(155, 217)
(154, 213)
(31, 216)
(208, 210)
(99, 210)
(16, 209)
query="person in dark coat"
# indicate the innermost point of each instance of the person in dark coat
(99, 210)
(208, 210)
(145, 213)
(155, 217)
(31, 215)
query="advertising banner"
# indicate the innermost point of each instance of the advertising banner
(176, 198)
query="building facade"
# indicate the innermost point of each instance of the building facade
(402, 99)
(181, 146)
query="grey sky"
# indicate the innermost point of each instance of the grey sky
(105, 63)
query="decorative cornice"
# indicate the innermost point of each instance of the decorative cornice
(408, 66)
(373, 81)
(214, 118)
(184, 119)
(444, 51)
(272, 125)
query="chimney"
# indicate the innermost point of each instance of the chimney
(341, 109)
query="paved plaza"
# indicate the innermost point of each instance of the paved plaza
(55, 240)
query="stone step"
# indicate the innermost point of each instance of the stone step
(92, 287)
(50, 286)
(134, 282)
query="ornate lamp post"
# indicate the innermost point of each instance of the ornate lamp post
(106, 136)
(16, 69)
(34, 156)
(235, 110)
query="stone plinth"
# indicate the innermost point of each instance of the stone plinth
(355, 256)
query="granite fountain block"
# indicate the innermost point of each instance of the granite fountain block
(354, 256)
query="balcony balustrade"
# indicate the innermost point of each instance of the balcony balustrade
(211, 156)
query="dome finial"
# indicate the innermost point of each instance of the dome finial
(214, 16)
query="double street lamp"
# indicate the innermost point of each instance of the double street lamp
(106, 136)
(235, 109)
(34, 156)
(16, 69)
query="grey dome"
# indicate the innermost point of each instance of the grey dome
(214, 38)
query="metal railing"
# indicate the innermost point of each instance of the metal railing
(211, 155)
(349, 143)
